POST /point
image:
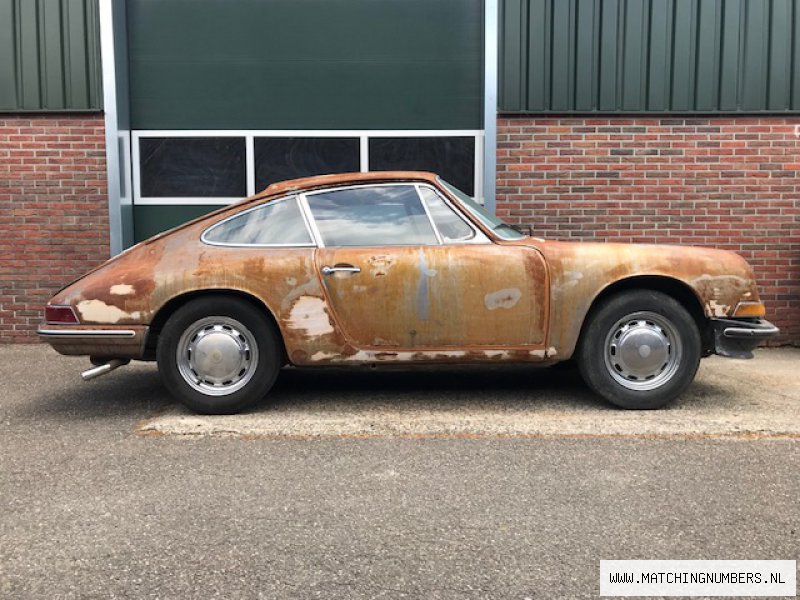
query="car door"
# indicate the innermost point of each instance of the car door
(395, 280)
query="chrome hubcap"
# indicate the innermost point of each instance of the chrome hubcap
(217, 355)
(643, 351)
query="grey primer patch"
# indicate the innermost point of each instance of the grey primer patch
(422, 290)
(506, 298)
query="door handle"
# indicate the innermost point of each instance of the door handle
(326, 270)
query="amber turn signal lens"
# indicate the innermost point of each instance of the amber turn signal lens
(60, 315)
(749, 309)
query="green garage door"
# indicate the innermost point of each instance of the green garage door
(227, 96)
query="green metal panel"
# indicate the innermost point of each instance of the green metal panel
(729, 55)
(795, 53)
(659, 57)
(683, 50)
(780, 53)
(563, 59)
(586, 53)
(538, 41)
(607, 72)
(706, 87)
(306, 64)
(640, 56)
(755, 55)
(49, 55)
(149, 220)
(512, 57)
(634, 42)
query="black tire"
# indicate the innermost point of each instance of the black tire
(259, 349)
(609, 335)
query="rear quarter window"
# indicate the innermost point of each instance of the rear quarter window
(278, 223)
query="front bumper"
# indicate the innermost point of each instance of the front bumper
(736, 338)
(110, 341)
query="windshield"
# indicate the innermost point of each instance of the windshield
(502, 230)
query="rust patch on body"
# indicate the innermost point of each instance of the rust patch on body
(721, 293)
(581, 271)
(455, 296)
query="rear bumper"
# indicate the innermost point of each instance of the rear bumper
(126, 341)
(736, 338)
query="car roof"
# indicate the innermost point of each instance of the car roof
(322, 181)
(276, 190)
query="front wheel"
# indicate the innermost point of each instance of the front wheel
(218, 355)
(640, 349)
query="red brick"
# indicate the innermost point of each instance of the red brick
(733, 183)
(55, 193)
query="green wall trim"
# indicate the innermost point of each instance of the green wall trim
(649, 56)
(49, 56)
(150, 219)
(306, 64)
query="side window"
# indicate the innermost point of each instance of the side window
(388, 215)
(277, 223)
(450, 225)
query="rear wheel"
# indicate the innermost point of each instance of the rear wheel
(218, 355)
(640, 349)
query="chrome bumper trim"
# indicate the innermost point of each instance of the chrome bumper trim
(745, 332)
(87, 333)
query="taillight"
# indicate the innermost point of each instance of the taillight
(61, 315)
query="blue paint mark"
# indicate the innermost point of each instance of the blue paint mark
(422, 289)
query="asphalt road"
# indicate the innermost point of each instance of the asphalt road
(90, 507)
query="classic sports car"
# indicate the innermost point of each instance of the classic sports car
(400, 268)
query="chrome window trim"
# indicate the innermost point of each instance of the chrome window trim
(436, 231)
(477, 237)
(318, 235)
(251, 209)
(478, 217)
(310, 221)
(362, 184)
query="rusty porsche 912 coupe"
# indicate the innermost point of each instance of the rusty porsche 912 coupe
(399, 268)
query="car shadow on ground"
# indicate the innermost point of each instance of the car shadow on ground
(127, 392)
(137, 392)
(437, 386)
(486, 387)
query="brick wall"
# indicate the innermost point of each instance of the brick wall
(731, 183)
(53, 212)
(726, 182)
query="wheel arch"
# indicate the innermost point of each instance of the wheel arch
(170, 307)
(671, 286)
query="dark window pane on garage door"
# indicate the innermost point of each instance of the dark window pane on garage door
(453, 158)
(193, 167)
(279, 159)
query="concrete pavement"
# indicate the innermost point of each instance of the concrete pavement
(759, 397)
(93, 508)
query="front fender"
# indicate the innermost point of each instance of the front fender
(580, 272)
